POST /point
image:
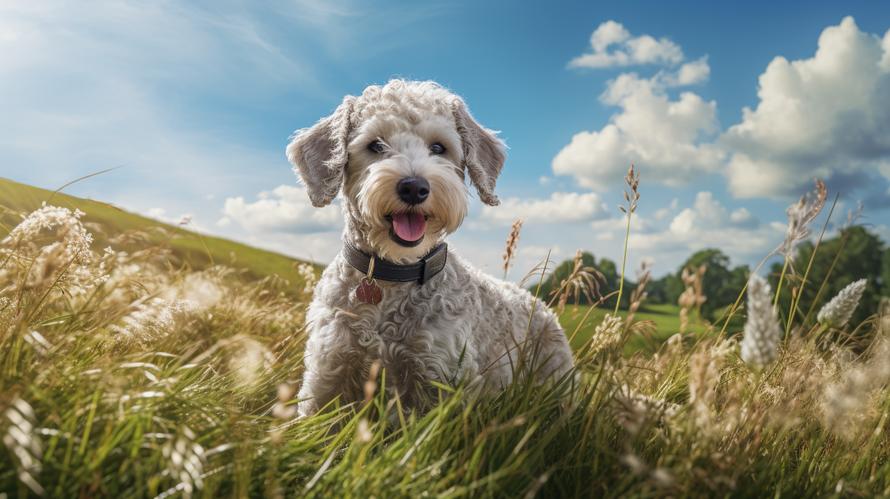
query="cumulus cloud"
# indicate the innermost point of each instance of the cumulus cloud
(285, 209)
(662, 213)
(671, 137)
(690, 73)
(559, 207)
(824, 116)
(709, 223)
(612, 45)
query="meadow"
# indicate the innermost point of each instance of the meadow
(139, 359)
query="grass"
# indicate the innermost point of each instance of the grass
(665, 318)
(187, 247)
(147, 374)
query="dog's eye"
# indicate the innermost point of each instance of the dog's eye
(437, 148)
(377, 146)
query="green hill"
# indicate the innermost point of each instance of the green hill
(197, 251)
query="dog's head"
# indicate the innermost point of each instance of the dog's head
(399, 153)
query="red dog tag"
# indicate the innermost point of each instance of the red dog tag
(368, 292)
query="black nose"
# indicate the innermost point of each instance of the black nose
(413, 190)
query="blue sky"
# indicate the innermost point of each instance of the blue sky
(195, 102)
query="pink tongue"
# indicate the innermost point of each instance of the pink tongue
(409, 226)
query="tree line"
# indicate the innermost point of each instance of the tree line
(855, 253)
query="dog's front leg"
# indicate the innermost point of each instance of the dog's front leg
(336, 366)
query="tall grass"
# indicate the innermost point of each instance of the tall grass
(122, 375)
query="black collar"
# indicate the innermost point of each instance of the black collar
(419, 272)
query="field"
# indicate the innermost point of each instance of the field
(665, 318)
(166, 366)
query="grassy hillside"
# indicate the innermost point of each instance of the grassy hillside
(107, 221)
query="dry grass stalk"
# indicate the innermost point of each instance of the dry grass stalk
(639, 293)
(632, 197)
(582, 281)
(632, 193)
(850, 402)
(693, 296)
(510, 247)
(705, 367)
(607, 334)
(801, 215)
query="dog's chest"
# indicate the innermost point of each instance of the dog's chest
(412, 325)
(404, 311)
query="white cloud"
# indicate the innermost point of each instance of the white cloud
(665, 137)
(708, 213)
(690, 73)
(285, 209)
(662, 213)
(825, 116)
(708, 223)
(668, 138)
(612, 45)
(559, 207)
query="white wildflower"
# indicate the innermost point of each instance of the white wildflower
(249, 361)
(75, 238)
(634, 409)
(363, 432)
(704, 376)
(152, 319)
(307, 272)
(762, 332)
(199, 289)
(52, 245)
(284, 408)
(607, 334)
(837, 312)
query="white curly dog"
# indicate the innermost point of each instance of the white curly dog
(396, 294)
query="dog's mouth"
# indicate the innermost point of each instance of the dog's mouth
(407, 228)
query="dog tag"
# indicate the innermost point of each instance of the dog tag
(368, 292)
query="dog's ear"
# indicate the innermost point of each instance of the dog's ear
(319, 154)
(484, 153)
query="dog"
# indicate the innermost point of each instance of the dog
(396, 294)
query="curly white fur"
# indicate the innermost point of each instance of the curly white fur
(461, 324)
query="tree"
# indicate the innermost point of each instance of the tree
(859, 253)
(720, 284)
(885, 274)
(666, 289)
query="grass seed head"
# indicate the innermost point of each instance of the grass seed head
(838, 311)
(800, 215)
(762, 332)
(510, 246)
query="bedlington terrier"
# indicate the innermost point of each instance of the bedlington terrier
(396, 294)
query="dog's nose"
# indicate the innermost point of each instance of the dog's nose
(413, 190)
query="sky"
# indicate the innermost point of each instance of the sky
(727, 111)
